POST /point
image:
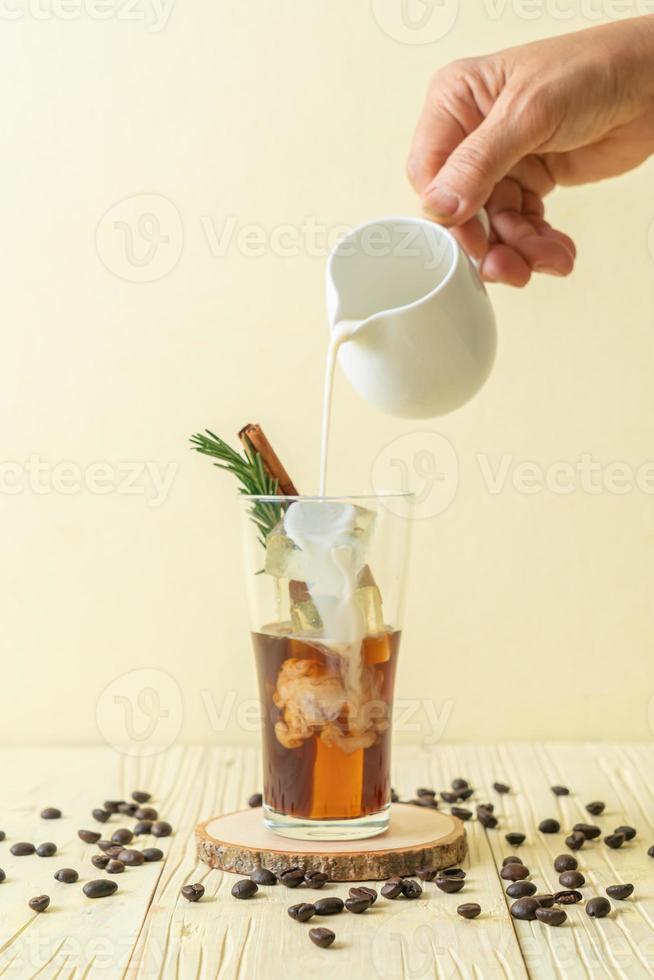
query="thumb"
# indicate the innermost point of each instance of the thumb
(467, 177)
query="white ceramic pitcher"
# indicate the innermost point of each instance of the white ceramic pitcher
(424, 334)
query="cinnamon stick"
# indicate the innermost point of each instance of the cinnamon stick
(252, 435)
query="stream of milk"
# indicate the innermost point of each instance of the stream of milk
(342, 332)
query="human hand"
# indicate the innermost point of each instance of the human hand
(501, 131)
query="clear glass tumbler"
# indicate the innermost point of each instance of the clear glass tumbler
(325, 582)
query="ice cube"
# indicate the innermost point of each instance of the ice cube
(283, 559)
(305, 619)
(369, 602)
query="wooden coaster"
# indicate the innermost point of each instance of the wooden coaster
(417, 838)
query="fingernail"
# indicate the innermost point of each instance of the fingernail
(548, 270)
(442, 202)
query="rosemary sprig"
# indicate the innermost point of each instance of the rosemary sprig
(251, 474)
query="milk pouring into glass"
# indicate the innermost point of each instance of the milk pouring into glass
(411, 323)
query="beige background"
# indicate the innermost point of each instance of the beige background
(530, 614)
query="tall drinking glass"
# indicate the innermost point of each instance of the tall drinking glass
(325, 586)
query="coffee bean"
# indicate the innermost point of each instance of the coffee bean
(596, 807)
(100, 815)
(394, 796)
(140, 796)
(620, 892)
(263, 876)
(143, 827)
(451, 873)
(99, 888)
(598, 907)
(329, 906)
(152, 854)
(565, 862)
(650, 851)
(545, 901)
(511, 859)
(572, 879)
(490, 807)
(2, 835)
(128, 809)
(448, 797)
(302, 912)
(486, 818)
(469, 910)
(50, 813)
(22, 848)
(122, 836)
(68, 875)
(575, 841)
(111, 806)
(589, 830)
(426, 874)
(322, 937)
(501, 788)
(146, 813)
(458, 785)
(629, 832)
(465, 794)
(461, 812)
(549, 826)
(514, 872)
(450, 885)
(560, 790)
(110, 849)
(245, 888)
(161, 829)
(315, 879)
(425, 801)
(392, 888)
(41, 902)
(193, 893)
(115, 867)
(614, 840)
(551, 917)
(521, 889)
(425, 791)
(292, 877)
(3, 875)
(413, 889)
(568, 897)
(47, 849)
(89, 836)
(100, 861)
(362, 891)
(255, 800)
(357, 905)
(131, 858)
(524, 908)
(514, 838)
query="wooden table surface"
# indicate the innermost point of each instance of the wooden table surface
(147, 930)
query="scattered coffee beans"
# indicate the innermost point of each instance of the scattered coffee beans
(302, 912)
(329, 906)
(572, 879)
(315, 879)
(193, 893)
(486, 818)
(500, 788)
(596, 807)
(50, 813)
(146, 813)
(245, 888)
(292, 877)
(461, 812)
(524, 908)
(115, 867)
(161, 829)
(549, 826)
(449, 797)
(650, 851)
(565, 862)
(89, 836)
(22, 848)
(2, 835)
(100, 861)
(100, 815)
(451, 873)
(629, 832)
(3, 875)
(450, 885)
(514, 872)
(598, 907)
(47, 849)
(521, 889)
(614, 840)
(426, 874)
(140, 796)
(131, 858)
(619, 891)
(511, 859)
(113, 806)
(128, 809)
(263, 876)
(560, 790)
(568, 897)
(469, 910)
(413, 889)
(392, 888)
(545, 901)
(514, 838)
(41, 902)
(68, 875)
(142, 827)
(256, 800)
(99, 888)
(357, 905)
(362, 891)
(122, 836)
(152, 854)
(551, 917)
(575, 841)
(322, 937)
(589, 830)
(459, 785)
